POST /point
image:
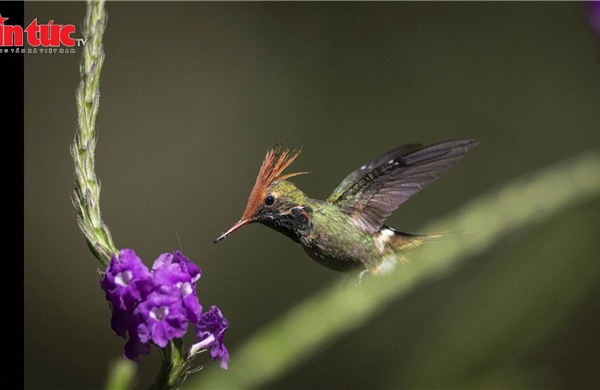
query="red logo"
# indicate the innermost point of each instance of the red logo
(49, 35)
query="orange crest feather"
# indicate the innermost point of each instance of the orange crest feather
(276, 161)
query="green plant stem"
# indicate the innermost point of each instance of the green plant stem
(86, 198)
(174, 366)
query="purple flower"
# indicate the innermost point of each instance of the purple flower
(168, 273)
(154, 307)
(210, 331)
(126, 283)
(134, 347)
(120, 322)
(161, 317)
(127, 280)
(178, 258)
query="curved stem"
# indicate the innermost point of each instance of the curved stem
(86, 198)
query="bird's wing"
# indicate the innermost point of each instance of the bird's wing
(370, 194)
(354, 176)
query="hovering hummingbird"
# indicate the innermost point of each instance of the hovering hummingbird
(346, 232)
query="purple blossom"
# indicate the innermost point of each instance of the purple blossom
(154, 307)
(161, 317)
(127, 280)
(210, 331)
(184, 263)
(177, 273)
(120, 322)
(126, 283)
(134, 346)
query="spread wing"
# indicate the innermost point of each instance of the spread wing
(372, 192)
(360, 172)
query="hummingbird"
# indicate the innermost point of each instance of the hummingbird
(346, 232)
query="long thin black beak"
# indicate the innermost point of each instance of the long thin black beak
(235, 227)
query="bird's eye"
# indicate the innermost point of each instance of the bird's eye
(269, 200)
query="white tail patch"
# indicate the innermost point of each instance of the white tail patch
(391, 246)
(383, 238)
(383, 241)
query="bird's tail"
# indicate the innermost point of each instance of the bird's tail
(396, 246)
(402, 242)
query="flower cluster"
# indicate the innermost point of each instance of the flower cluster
(155, 306)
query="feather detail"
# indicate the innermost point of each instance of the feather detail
(371, 193)
(275, 162)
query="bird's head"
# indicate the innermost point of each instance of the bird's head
(272, 198)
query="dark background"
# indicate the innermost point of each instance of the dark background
(194, 93)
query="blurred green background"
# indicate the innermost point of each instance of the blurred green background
(194, 93)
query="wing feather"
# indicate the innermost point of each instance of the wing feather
(370, 194)
(376, 163)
